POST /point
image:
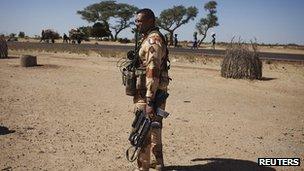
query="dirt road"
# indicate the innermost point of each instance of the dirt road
(71, 113)
(282, 55)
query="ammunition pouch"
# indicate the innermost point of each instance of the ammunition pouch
(134, 80)
(129, 80)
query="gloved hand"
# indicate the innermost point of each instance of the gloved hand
(149, 109)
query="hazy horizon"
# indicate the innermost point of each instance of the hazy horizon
(272, 21)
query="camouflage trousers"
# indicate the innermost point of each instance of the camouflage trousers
(153, 142)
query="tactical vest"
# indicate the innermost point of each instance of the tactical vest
(165, 66)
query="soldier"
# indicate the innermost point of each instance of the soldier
(153, 55)
(42, 36)
(65, 38)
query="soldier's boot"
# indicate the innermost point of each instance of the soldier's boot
(154, 165)
(143, 160)
(158, 161)
(157, 164)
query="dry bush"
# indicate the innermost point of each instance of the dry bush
(3, 48)
(241, 63)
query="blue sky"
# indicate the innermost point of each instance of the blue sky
(269, 21)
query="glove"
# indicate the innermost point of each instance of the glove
(131, 54)
(150, 109)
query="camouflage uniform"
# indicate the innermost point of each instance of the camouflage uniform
(152, 75)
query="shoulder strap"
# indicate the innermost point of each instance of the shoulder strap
(166, 62)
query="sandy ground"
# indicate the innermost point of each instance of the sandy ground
(71, 113)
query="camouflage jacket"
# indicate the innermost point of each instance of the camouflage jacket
(153, 54)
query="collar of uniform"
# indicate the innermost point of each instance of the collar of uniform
(149, 31)
(144, 36)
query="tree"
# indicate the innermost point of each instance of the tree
(104, 11)
(12, 35)
(208, 22)
(21, 34)
(124, 14)
(86, 30)
(172, 18)
(99, 30)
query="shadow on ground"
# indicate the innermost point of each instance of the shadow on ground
(267, 79)
(40, 66)
(4, 130)
(10, 57)
(220, 164)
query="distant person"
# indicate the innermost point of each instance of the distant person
(213, 40)
(175, 40)
(194, 45)
(66, 38)
(42, 35)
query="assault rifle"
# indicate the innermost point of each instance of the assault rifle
(142, 124)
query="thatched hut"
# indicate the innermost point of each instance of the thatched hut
(241, 63)
(3, 48)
